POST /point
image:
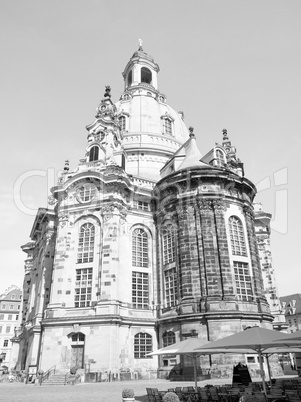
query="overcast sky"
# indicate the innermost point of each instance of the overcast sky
(231, 64)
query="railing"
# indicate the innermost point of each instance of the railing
(46, 375)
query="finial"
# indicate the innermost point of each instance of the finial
(140, 45)
(225, 135)
(191, 133)
(107, 91)
(66, 167)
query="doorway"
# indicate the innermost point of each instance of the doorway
(77, 350)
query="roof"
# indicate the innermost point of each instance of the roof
(291, 304)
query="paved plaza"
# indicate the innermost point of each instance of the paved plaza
(84, 392)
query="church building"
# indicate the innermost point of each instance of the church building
(145, 243)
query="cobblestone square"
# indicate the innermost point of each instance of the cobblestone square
(87, 392)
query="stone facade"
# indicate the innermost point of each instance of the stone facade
(10, 309)
(262, 221)
(145, 243)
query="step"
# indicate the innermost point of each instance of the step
(55, 379)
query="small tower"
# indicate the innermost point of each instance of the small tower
(141, 69)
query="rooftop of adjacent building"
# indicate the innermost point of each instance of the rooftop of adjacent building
(291, 304)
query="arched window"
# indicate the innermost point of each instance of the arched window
(78, 337)
(167, 127)
(93, 154)
(220, 159)
(168, 237)
(143, 344)
(237, 237)
(139, 248)
(146, 75)
(86, 192)
(122, 122)
(130, 78)
(86, 243)
(168, 338)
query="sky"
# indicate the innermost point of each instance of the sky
(231, 64)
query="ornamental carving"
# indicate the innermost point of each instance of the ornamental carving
(204, 205)
(50, 236)
(51, 200)
(107, 211)
(219, 206)
(114, 170)
(248, 211)
(185, 211)
(63, 218)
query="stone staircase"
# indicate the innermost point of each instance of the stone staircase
(55, 379)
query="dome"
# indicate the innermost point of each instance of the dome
(146, 116)
(152, 130)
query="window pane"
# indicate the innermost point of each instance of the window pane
(139, 248)
(143, 344)
(237, 237)
(168, 236)
(83, 292)
(86, 237)
(140, 290)
(243, 281)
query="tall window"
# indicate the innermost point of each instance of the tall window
(140, 248)
(83, 287)
(122, 123)
(243, 281)
(237, 237)
(5, 343)
(168, 338)
(219, 157)
(140, 290)
(8, 329)
(143, 344)
(167, 127)
(168, 235)
(93, 154)
(130, 78)
(146, 75)
(86, 243)
(170, 278)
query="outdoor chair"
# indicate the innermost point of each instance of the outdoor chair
(213, 394)
(260, 396)
(292, 395)
(204, 395)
